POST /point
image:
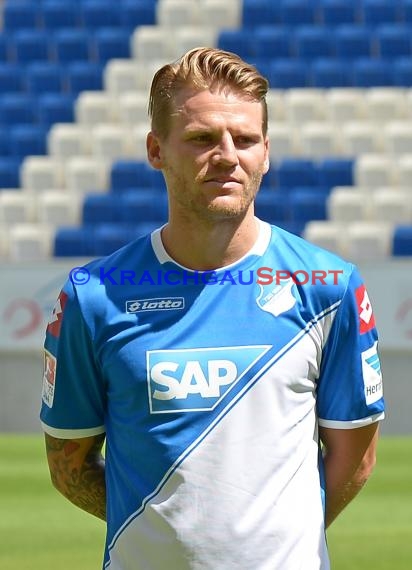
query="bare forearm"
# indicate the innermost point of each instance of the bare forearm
(341, 488)
(79, 474)
(349, 458)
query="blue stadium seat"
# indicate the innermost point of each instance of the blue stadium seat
(237, 41)
(372, 72)
(402, 72)
(335, 172)
(44, 77)
(27, 140)
(17, 108)
(272, 206)
(9, 172)
(19, 14)
(84, 76)
(133, 13)
(110, 43)
(109, 237)
(73, 242)
(56, 14)
(6, 49)
(405, 10)
(297, 12)
(148, 205)
(127, 174)
(402, 241)
(4, 143)
(293, 172)
(331, 72)
(259, 13)
(338, 12)
(393, 41)
(72, 44)
(30, 45)
(307, 204)
(55, 108)
(352, 42)
(288, 73)
(272, 42)
(311, 42)
(374, 12)
(11, 77)
(99, 208)
(95, 14)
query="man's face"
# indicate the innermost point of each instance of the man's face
(214, 156)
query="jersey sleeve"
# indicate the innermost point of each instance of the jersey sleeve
(73, 401)
(349, 391)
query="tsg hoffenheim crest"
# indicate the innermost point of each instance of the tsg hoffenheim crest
(276, 299)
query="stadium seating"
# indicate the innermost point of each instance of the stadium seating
(340, 114)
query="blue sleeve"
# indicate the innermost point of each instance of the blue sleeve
(73, 395)
(349, 391)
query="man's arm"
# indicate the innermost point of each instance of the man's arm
(349, 458)
(77, 471)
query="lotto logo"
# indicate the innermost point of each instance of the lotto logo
(366, 318)
(56, 318)
(161, 304)
(196, 379)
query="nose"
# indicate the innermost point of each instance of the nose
(225, 152)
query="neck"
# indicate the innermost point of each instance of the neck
(209, 245)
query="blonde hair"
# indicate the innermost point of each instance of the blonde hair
(203, 68)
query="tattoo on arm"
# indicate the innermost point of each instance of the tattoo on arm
(77, 471)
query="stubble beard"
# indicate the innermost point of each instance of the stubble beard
(220, 208)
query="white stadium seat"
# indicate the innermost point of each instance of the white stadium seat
(139, 136)
(41, 173)
(55, 208)
(392, 206)
(275, 100)
(175, 13)
(397, 137)
(374, 170)
(65, 139)
(385, 104)
(16, 206)
(304, 105)
(217, 13)
(83, 173)
(111, 141)
(189, 37)
(346, 204)
(368, 241)
(283, 140)
(319, 139)
(360, 137)
(404, 170)
(344, 105)
(133, 108)
(94, 107)
(121, 76)
(30, 242)
(326, 234)
(151, 42)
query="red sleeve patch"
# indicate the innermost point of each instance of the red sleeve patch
(56, 318)
(366, 318)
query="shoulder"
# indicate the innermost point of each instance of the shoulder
(310, 264)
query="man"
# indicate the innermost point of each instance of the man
(230, 367)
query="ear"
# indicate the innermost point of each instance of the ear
(153, 151)
(266, 163)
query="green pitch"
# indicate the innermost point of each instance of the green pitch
(39, 529)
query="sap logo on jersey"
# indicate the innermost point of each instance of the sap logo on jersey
(196, 379)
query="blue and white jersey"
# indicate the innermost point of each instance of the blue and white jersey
(210, 388)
